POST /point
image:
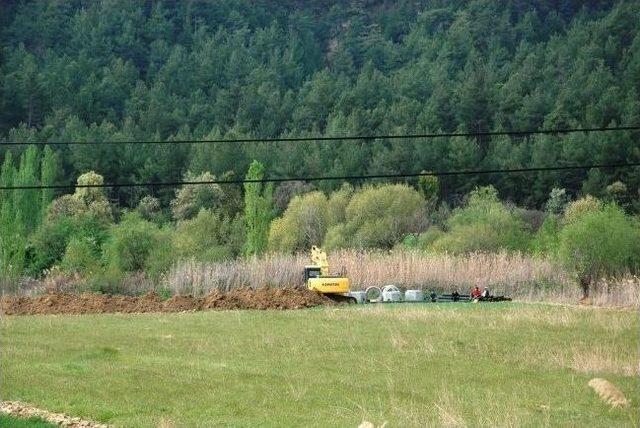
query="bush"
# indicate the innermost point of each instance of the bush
(190, 200)
(136, 244)
(601, 242)
(302, 225)
(380, 217)
(557, 201)
(208, 237)
(578, 208)
(427, 238)
(80, 257)
(545, 241)
(337, 205)
(286, 191)
(52, 238)
(484, 224)
(149, 208)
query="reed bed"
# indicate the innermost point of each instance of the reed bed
(514, 274)
(505, 273)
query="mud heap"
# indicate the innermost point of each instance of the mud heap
(89, 303)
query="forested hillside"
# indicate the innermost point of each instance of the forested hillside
(138, 71)
(78, 70)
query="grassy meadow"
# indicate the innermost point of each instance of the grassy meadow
(512, 364)
(13, 422)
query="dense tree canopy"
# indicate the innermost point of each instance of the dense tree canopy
(162, 70)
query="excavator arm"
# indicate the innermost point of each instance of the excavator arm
(319, 258)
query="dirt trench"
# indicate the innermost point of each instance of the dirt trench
(89, 303)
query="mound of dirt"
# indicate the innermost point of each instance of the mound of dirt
(88, 303)
(265, 298)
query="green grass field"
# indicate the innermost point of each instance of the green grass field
(9, 421)
(410, 365)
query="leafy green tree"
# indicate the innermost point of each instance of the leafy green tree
(27, 202)
(84, 216)
(149, 208)
(48, 174)
(12, 244)
(209, 237)
(191, 199)
(141, 71)
(557, 201)
(258, 206)
(598, 243)
(80, 257)
(580, 207)
(484, 224)
(137, 245)
(303, 224)
(379, 217)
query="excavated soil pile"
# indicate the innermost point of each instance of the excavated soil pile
(88, 303)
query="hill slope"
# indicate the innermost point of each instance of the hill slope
(78, 70)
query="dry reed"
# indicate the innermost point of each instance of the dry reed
(518, 275)
(503, 273)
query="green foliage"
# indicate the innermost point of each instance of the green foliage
(21, 211)
(557, 201)
(136, 71)
(136, 245)
(600, 242)
(302, 225)
(577, 209)
(149, 208)
(618, 193)
(85, 201)
(80, 257)
(150, 71)
(379, 217)
(258, 206)
(48, 175)
(546, 239)
(209, 237)
(429, 186)
(484, 224)
(426, 239)
(51, 241)
(27, 202)
(190, 200)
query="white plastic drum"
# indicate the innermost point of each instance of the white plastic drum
(413, 296)
(391, 293)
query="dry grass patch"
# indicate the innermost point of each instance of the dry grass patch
(604, 360)
(609, 393)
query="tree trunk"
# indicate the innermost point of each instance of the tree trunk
(585, 285)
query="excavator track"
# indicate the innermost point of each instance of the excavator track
(341, 299)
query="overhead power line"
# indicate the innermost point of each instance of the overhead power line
(344, 138)
(328, 178)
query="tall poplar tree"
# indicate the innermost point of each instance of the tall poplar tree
(48, 175)
(258, 206)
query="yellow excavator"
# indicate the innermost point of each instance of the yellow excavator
(318, 278)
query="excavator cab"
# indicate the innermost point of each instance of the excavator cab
(311, 272)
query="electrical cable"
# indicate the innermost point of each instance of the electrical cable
(328, 178)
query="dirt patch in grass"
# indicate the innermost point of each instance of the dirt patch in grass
(89, 303)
